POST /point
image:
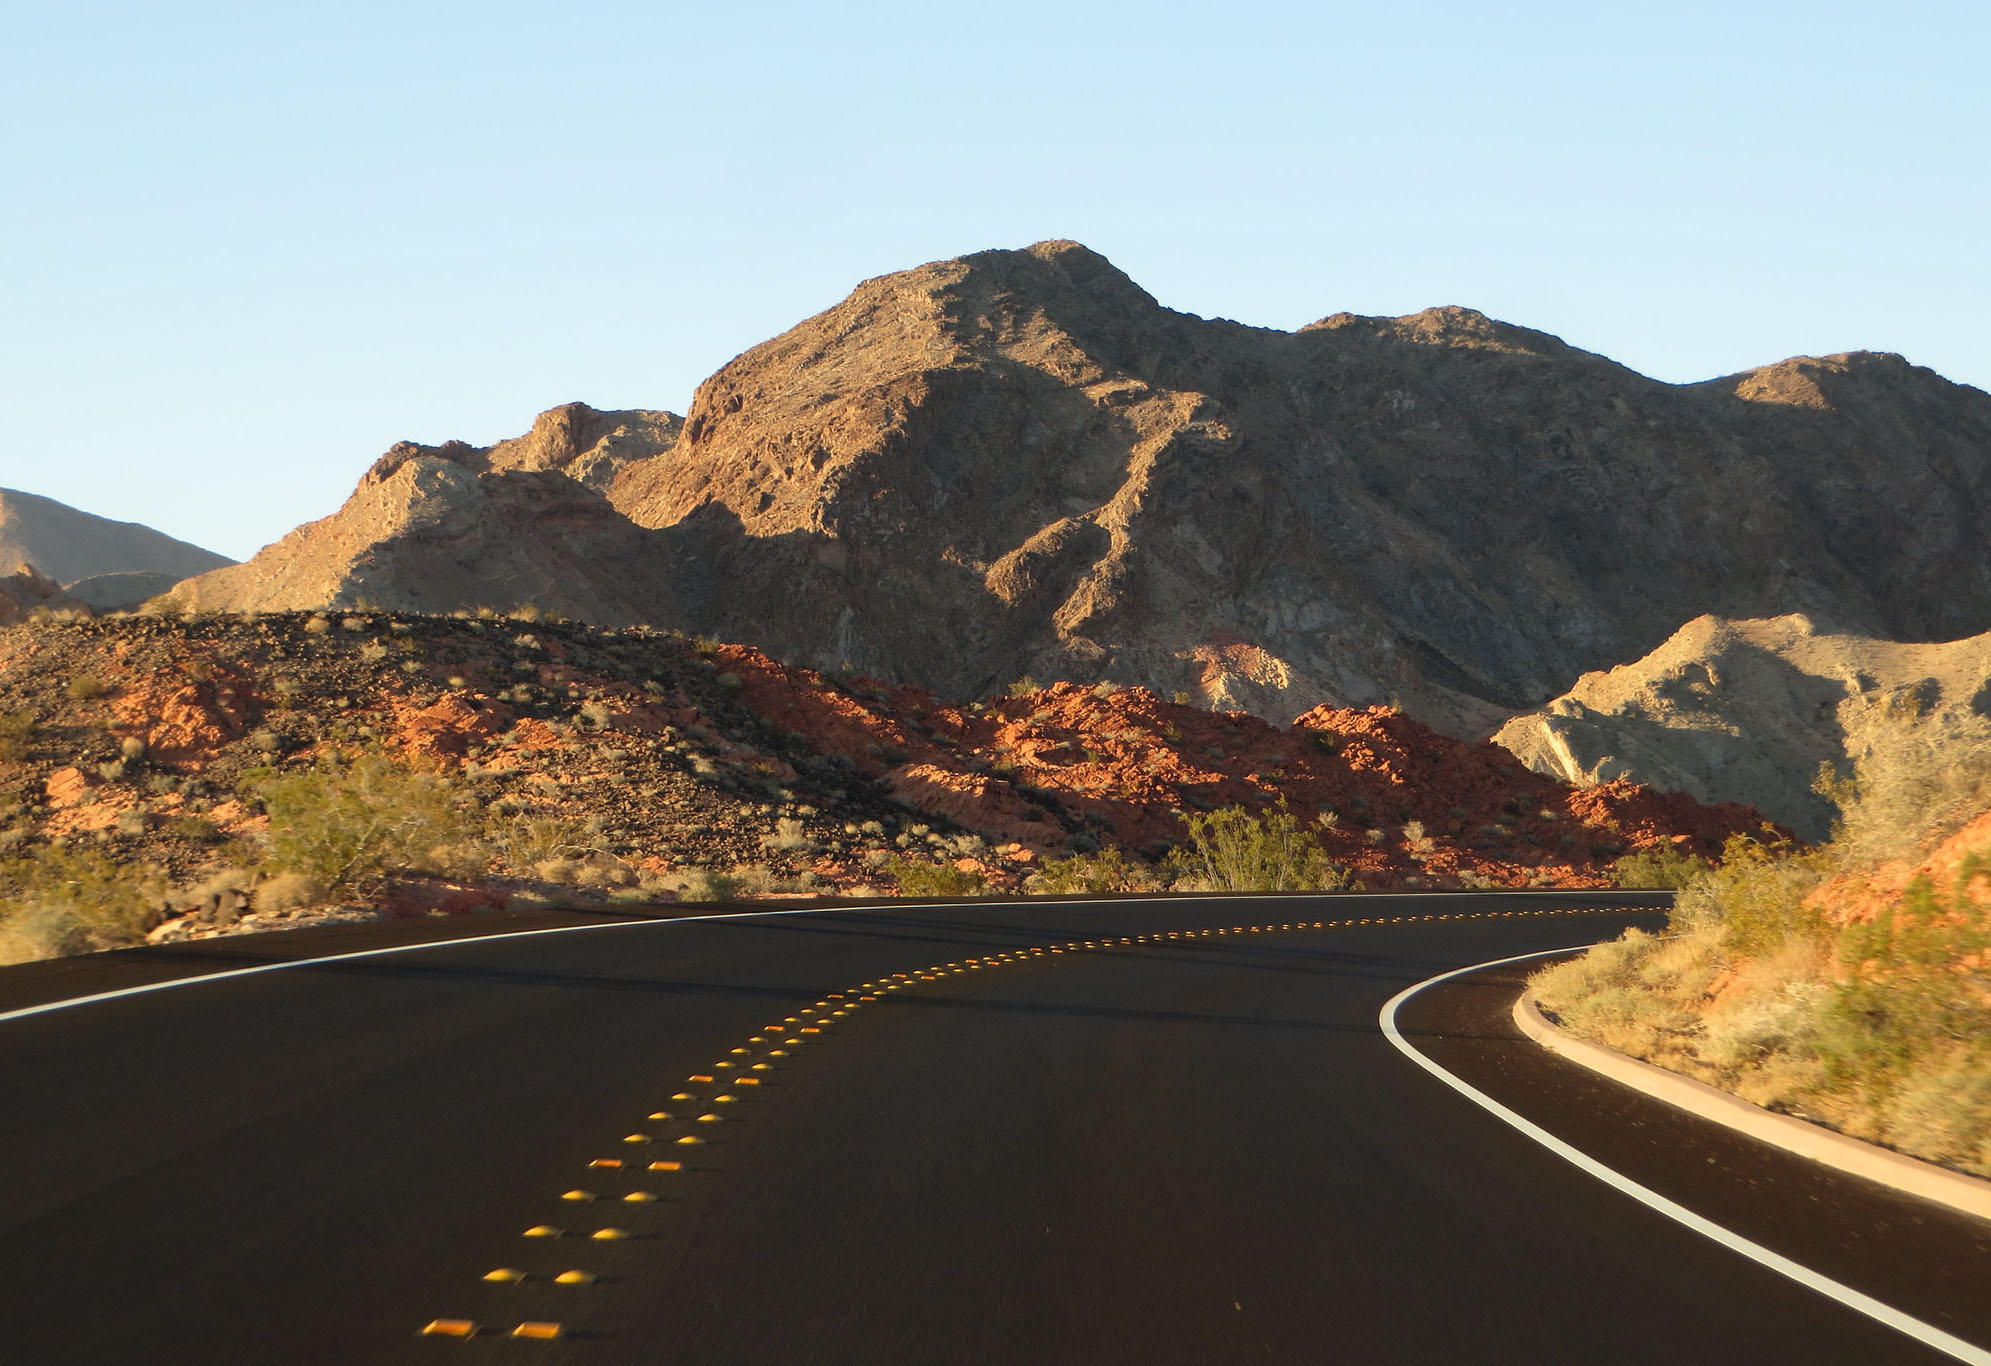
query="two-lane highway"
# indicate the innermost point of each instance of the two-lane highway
(1056, 1132)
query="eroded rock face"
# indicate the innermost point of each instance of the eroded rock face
(1747, 711)
(1019, 463)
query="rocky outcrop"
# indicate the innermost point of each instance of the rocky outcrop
(27, 591)
(1019, 463)
(68, 545)
(1748, 711)
(439, 529)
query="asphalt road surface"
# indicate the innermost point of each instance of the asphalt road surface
(1176, 1149)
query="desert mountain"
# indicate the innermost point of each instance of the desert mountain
(1746, 711)
(1019, 463)
(76, 548)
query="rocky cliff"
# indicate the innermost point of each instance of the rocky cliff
(1019, 463)
(1747, 711)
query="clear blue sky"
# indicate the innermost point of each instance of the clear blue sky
(246, 247)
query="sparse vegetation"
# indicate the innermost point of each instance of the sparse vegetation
(1877, 1023)
(350, 825)
(67, 901)
(1092, 875)
(918, 878)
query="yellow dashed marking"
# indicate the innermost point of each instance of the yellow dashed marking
(699, 1077)
(690, 1139)
(684, 1095)
(575, 1278)
(639, 1198)
(666, 1166)
(609, 1235)
(750, 1081)
(658, 1114)
(539, 1332)
(636, 1138)
(778, 1053)
(724, 1100)
(708, 1119)
(736, 1052)
(505, 1275)
(606, 1162)
(449, 1328)
(542, 1231)
(577, 1195)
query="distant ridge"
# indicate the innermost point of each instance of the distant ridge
(69, 545)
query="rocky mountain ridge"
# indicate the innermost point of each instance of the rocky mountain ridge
(1018, 463)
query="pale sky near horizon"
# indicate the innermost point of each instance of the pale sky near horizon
(245, 248)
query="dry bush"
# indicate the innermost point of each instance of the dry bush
(287, 891)
(789, 837)
(1110, 870)
(61, 901)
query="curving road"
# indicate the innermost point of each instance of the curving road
(1188, 1149)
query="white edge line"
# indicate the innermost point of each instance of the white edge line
(882, 903)
(1925, 1333)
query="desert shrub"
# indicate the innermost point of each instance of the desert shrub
(1755, 899)
(524, 843)
(1664, 868)
(1233, 850)
(287, 891)
(350, 826)
(62, 900)
(693, 883)
(18, 730)
(83, 687)
(1092, 875)
(1022, 687)
(789, 837)
(1912, 786)
(916, 877)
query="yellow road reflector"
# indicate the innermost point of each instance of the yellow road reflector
(449, 1328)
(659, 1114)
(708, 1119)
(577, 1195)
(666, 1166)
(839, 1012)
(575, 1278)
(683, 1095)
(809, 1029)
(608, 1161)
(542, 1231)
(539, 1332)
(778, 1053)
(638, 1198)
(754, 1081)
(699, 1077)
(739, 1052)
(789, 1041)
(636, 1138)
(756, 1039)
(505, 1275)
(867, 998)
(609, 1235)
(724, 1100)
(722, 1065)
(747, 1081)
(791, 1020)
(689, 1139)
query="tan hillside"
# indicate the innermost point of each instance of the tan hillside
(434, 528)
(1746, 711)
(67, 544)
(1019, 463)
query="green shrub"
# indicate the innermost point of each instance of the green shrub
(62, 901)
(918, 878)
(18, 730)
(1091, 875)
(1661, 869)
(1233, 850)
(1755, 899)
(349, 827)
(83, 687)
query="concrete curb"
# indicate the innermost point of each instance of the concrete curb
(1966, 1194)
